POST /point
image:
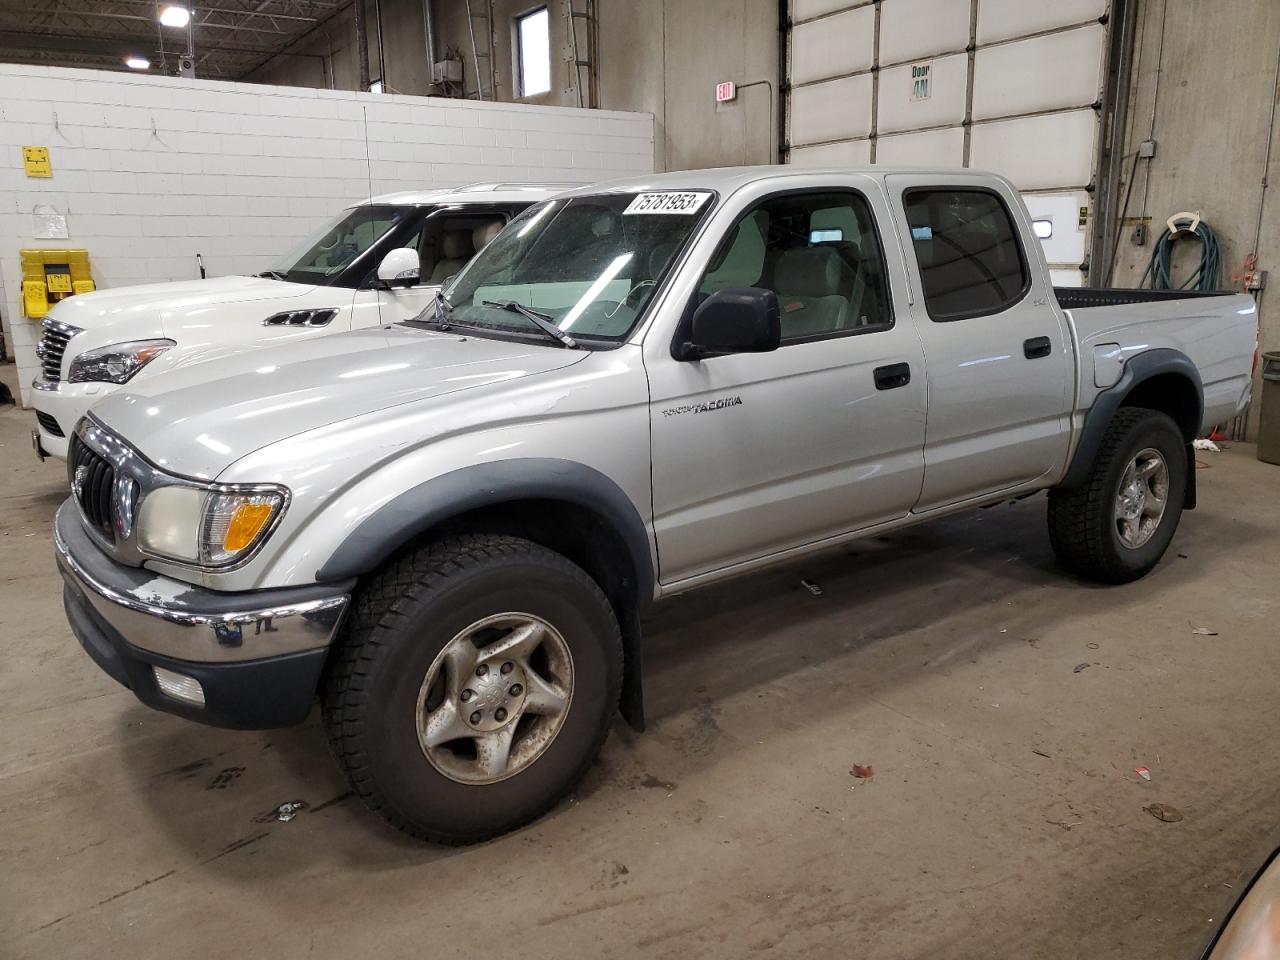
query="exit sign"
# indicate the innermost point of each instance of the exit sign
(726, 91)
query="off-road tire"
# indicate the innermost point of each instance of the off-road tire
(400, 620)
(1082, 527)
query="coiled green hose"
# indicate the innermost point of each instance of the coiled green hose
(1208, 272)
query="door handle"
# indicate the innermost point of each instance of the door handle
(894, 375)
(1037, 347)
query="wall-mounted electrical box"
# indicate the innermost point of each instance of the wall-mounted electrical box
(446, 71)
(52, 275)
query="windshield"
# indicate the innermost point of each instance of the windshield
(334, 247)
(590, 265)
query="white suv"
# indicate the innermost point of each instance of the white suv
(379, 261)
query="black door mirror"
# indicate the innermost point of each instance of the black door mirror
(738, 320)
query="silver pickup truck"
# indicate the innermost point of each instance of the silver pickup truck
(448, 529)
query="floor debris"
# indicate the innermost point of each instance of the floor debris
(811, 587)
(1041, 753)
(1143, 772)
(1204, 632)
(1203, 444)
(1164, 812)
(1079, 667)
(287, 811)
(861, 772)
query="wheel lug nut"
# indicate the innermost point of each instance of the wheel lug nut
(500, 714)
(482, 670)
(467, 694)
(508, 667)
(475, 717)
(516, 690)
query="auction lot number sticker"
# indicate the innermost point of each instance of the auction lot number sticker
(669, 202)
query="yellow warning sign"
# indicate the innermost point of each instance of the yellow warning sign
(35, 160)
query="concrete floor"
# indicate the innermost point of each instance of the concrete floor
(1004, 818)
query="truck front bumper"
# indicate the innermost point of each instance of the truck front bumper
(248, 660)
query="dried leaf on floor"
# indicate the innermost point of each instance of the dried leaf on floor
(861, 772)
(1164, 812)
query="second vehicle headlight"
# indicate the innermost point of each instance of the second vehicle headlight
(212, 528)
(116, 362)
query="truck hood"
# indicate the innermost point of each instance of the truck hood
(197, 421)
(172, 309)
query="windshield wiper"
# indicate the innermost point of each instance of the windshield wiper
(272, 275)
(541, 320)
(440, 310)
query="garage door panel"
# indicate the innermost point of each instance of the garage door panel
(852, 153)
(1038, 152)
(901, 36)
(1003, 19)
(945, 103)
(1012, 78)
(1066, 244)
(928, 148)
(833, 46)
(806, 9)
(834, 110)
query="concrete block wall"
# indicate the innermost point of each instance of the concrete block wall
(151, 171)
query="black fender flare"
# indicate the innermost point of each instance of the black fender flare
(434, 501)
(1140, 367)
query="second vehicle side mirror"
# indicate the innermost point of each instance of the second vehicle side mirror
(400, 267)
(737, 320)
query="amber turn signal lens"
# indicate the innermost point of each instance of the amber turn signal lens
(246, 523)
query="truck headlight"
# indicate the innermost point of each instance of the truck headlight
(117, 362)
(209, 527)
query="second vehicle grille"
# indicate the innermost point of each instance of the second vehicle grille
(92, 481)
(53, 344)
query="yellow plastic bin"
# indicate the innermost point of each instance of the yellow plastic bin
(1269, 421)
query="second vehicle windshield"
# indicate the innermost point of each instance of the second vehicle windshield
(588, 264)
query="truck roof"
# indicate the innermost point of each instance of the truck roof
(474, 193)
(728, 179)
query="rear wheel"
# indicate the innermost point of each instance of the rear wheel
(1116, 526)
(473, 686)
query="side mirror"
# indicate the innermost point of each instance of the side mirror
(738, 320)
(400, 267)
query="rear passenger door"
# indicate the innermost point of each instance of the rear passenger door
(996, 345)
(755, 454)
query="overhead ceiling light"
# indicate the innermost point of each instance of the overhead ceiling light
(137, 63)
(175, 16)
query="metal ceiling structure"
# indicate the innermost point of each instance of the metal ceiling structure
(231, 38)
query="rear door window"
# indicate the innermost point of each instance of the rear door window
(970, 257)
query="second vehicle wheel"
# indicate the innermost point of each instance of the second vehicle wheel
(1116, 525)
(474, 684)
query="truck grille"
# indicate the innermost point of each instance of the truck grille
(52, 345)
(92, 481)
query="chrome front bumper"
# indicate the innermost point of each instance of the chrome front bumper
(179, 621)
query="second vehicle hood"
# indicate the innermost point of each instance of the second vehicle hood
(198, 420)
(171, 309)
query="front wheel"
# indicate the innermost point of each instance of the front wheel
(473, 686)
(1116, 526)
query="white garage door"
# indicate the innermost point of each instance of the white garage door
(893, 82)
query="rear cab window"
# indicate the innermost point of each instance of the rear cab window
(968, 250)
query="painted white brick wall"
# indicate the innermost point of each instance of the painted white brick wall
(151, 171)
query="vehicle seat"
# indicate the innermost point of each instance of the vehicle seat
(808, 281)
(455, 250)
(482, 234)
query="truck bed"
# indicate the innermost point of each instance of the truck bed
(1075, 298)
(1218, 331)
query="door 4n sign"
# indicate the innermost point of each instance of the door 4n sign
(921, 80)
